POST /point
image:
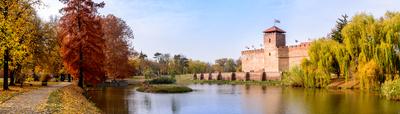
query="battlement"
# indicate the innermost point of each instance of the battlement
(301, 45)
(253, 51)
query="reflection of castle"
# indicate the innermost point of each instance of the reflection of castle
(276, 56)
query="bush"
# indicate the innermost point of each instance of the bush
(219, 77)
(162, 80)
(391, 89)
(294, 77)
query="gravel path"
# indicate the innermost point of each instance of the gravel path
(27, 103)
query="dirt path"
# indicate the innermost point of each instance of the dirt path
(28, 102)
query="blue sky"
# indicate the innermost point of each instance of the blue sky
(210, 29)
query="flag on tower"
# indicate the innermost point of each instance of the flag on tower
(277, 21)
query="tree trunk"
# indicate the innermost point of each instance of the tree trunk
(80, 82)
(12, 77)
(5, 65)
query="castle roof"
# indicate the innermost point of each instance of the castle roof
(274, 29)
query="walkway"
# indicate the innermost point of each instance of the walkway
(28, 102)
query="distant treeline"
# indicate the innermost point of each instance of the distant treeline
(165, 64)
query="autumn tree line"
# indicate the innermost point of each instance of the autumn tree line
(166, 64)
(82, 43)
(364, 49)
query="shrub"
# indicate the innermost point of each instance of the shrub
(294, 77)
(162, 80)
(195, 76)
(391, 89)
(219, 77)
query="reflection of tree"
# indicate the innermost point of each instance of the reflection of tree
(147, 102)
(174, 105)
(111, 100)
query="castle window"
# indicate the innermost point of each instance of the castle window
(269, 40)
(269, 54)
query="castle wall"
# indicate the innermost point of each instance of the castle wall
(276, 57)
(241, 76)
(252, 60)
(271, 61)
(297, 53)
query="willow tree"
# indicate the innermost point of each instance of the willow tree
(320, 64)
(81, 39)
(16, 26)
(117, 51)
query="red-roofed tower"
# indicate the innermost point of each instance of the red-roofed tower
(274, 38)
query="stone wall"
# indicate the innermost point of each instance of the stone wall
(297, 53)
(252, 60)
(241, 76)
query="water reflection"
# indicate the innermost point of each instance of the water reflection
(243, 99)
(111, 100)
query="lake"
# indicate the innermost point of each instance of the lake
(243, 99)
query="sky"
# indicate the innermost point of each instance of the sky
(211, 29)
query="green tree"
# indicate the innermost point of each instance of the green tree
(336, 33)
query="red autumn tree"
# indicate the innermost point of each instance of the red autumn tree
(81, 40)
(117, 51)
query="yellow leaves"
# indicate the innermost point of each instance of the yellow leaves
(368, 73)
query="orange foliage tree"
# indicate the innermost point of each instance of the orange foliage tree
(117, 51)
(81, 40)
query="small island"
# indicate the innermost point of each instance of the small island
(164, 84)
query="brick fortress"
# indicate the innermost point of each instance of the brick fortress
(275, 56)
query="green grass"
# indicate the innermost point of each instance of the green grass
(165, 89)
(391, 90)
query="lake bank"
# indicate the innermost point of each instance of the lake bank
(70, 99)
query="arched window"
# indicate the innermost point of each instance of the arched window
(269, 40)
(269, 54)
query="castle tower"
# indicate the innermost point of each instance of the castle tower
(274, 38)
